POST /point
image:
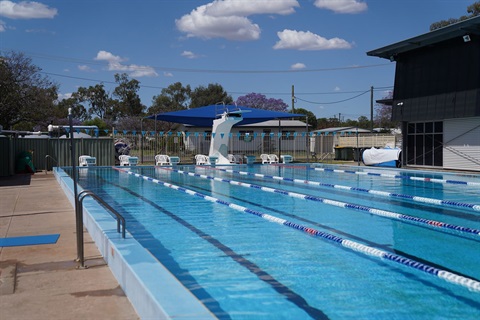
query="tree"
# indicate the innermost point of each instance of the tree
(383, 114)
(101, 105)
(312, 120)
(174, 98)
(129, 103)
(363, 122)
(101, 125)
(205, 96)
(78, 110)
(260, 101)
(26, 96)
(473, 10)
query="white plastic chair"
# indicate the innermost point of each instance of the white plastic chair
(201, 159)
(232, 158)
(272, 158)
(265, 158)
(87, 161)
(162, 160)
(128, 160)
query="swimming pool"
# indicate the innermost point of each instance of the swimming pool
(299, 242)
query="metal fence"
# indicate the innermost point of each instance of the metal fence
(302, 146)
(50, 152)
(188, 144)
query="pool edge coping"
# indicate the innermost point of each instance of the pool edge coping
(130, 264)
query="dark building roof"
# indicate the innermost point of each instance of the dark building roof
(460, 29)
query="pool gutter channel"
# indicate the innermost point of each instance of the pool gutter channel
(159, 297)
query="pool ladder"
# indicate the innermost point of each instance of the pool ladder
(46, 162)
(79, 217)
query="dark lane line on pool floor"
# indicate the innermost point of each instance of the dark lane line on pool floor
(340, 232)
(147, 240)
(442, 210)
(438, 226)
(262, 275)
(468, 283)
(410, 275)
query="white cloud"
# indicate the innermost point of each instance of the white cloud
(85, 68)
(3, 26)
(337, 88)
(342, 6)
(115, 64)
(63, 96)
(107, 56)
(301, 40)
(26, 10)
(199, 24)
(168, 74)
(247, 8)
(228, 18)
(189, 55)
(39, 31)
(298, 66)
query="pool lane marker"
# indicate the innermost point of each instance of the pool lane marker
(439, 202)
(470, 284)
(435, 225)
(433, 180)
(288, 293)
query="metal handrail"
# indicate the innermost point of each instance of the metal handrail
(46, 161)
(120, 220)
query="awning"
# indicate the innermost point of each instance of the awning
(204, 116)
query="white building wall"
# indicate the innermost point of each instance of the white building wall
(461, 144)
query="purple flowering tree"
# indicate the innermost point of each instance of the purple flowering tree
(260, 101)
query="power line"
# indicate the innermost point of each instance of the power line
(192, 70)
(231, 92)
(334, 102)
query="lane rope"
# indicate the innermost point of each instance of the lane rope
(433, 224)
(438, 202)
(470, 284)
(386, 175)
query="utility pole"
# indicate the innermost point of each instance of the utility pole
(371, 109)
(293, 98)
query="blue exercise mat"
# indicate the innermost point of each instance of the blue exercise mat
(29, 240)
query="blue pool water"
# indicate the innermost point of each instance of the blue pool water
(301, 242)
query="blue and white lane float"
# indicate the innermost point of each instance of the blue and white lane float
(435, 225)
(433, 180)
(471, 284)
(474, 207)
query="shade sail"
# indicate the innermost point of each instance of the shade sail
(204, 116)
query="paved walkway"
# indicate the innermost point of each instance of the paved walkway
(43, 281)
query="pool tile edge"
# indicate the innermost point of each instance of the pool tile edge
(162, 297)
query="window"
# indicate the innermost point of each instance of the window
(425, 143)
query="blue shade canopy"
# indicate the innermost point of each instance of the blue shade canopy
(204, 116)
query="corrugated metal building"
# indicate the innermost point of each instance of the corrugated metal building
(437, 96)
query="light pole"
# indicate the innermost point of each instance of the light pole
(78, 214)
(141, 140)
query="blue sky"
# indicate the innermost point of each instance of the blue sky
(262, 46)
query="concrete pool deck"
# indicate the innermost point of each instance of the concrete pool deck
(43, 281)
